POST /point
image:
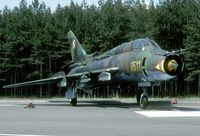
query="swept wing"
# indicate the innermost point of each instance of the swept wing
(58, 78)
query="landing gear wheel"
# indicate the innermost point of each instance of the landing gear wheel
(143, 102)
(139, 93)
(73, 101)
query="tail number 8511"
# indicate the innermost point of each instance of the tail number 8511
(135, 65)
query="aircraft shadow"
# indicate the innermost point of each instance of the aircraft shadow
(96, 103)
(152, 105)
(159, 105)
(106, 103)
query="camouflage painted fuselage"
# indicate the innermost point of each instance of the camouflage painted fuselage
(141, 60)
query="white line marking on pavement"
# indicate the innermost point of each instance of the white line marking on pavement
(20, 135)
(174, 113)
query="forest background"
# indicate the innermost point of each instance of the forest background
(33, 41)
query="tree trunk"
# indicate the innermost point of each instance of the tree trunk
(152, 88)
(165, 92)
(15, 81)
(41, 77)
(49, 63)
(11, 83)
(108, 91)
(176, 87)
(199, 85)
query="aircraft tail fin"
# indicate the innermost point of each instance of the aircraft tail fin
(77, 52)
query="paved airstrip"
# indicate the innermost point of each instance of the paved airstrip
(99, 117)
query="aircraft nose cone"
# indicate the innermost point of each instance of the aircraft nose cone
(172, 65)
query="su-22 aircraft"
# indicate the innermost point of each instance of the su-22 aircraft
(140, 61)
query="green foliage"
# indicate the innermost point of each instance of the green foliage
(192, 41)
(33, 41)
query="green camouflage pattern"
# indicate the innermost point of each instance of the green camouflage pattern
(140, 60)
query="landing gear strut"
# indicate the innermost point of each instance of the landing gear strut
(139, 93)
(71, 94)
(73, 100)
(142, 97)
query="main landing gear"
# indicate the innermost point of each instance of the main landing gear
(142, 97)
(73, 100)
(71, 94)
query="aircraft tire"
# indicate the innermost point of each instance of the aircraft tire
(139, 93)
(73, 101)
(143, 102)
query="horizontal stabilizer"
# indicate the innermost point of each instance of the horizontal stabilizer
(58, 78)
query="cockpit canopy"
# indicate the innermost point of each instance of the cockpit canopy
(144, 43)
(137, 45)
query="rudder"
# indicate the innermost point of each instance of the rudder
(77, 52)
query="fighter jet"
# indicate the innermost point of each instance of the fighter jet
(139, 61)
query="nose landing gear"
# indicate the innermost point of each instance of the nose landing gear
(142, 97)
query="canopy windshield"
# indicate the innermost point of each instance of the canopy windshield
(144, 43)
